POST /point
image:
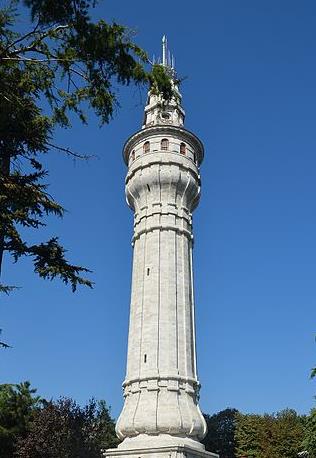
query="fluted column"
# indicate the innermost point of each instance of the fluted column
(161, 386)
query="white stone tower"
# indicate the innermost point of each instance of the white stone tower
(161, 416)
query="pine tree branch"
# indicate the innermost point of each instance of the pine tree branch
(69, 152)
(78, 73)
(49, 263)
(37, 40)
(36, 61)
(5, 162)
(3, 344)
(24, 37)
(6, 290)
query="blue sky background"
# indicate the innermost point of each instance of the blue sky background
(250, 95)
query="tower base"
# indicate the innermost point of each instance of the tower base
(172, 451)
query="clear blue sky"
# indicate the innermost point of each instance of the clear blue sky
(250, 94)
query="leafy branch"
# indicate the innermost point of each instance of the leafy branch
(65, 65)
(3, 344)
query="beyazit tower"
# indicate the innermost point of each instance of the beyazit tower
(161, 417)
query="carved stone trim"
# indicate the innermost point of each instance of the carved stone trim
(159, 227)
(154, 159)
(160, 379)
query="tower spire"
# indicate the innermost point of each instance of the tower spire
(158, 111)
(164, 51)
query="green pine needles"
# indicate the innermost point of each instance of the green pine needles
(68, 63)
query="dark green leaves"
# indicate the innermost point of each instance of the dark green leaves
(64, 429)
(220, 437)
(51, 12)
(50, 262)
(264, 436)
(161, 82)
(18, 404)
(309, 442)
(64, 65)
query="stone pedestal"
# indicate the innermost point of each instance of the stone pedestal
(176, 451)
(160, 446)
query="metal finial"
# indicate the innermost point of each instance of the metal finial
(164, 51)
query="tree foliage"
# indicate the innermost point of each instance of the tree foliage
(18, 405)
(248, 433)
(33, 427)
(262, 436)
(220, 436)
(162, 82)
(64, 65)
(313, 371)
(64, 429)
(309, 441)
(288, 433)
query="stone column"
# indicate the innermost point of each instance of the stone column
(161, 386)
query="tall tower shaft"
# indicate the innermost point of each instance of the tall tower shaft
(161, 416)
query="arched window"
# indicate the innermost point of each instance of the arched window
(146, 147)
(133, 155)
(164, 144)
(182, 148)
